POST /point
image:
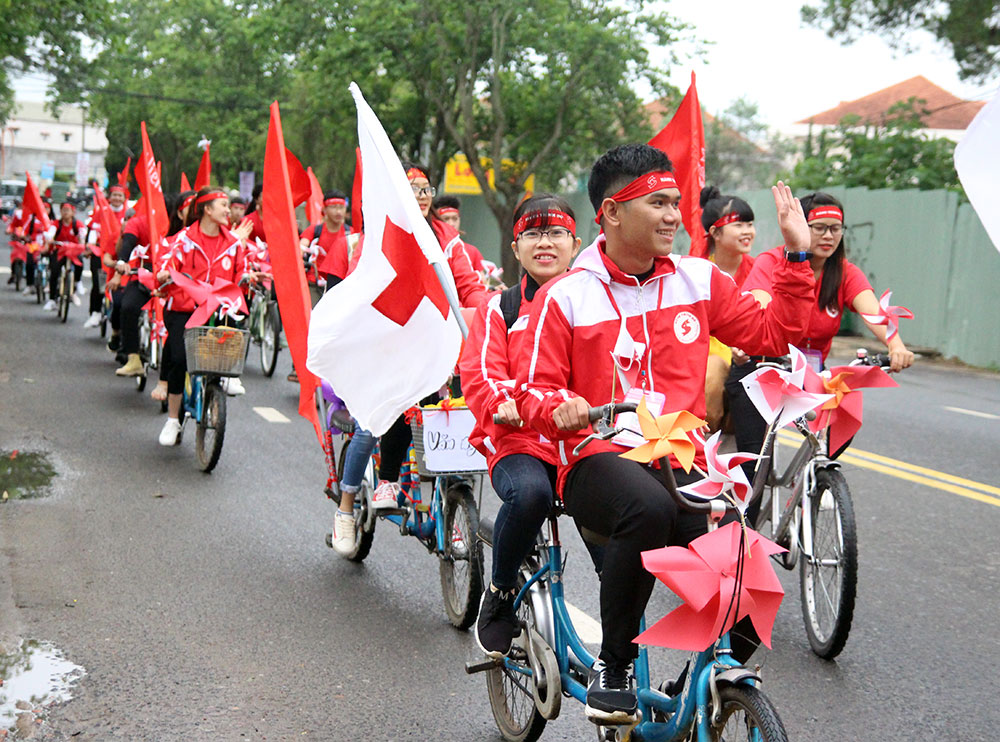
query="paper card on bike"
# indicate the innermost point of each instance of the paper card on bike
(446, 441)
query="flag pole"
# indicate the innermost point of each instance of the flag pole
(452, 297)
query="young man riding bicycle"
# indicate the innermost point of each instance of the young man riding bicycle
(632, 319)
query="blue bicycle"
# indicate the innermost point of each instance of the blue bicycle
(721, 701)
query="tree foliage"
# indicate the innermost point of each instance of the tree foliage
(970, 27)
(741, 151)
(892, 154)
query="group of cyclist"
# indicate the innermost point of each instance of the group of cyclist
(624, 318)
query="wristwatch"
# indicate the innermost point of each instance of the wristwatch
(796, 257)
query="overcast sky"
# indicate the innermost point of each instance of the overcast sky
(792, 71)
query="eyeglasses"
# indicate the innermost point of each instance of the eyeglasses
(427, 191)
(556, 234)
(821, 229)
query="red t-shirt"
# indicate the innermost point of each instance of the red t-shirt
(823, 322)
(332, 258)
(258, 225)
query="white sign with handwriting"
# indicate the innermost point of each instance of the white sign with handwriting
(446, 441)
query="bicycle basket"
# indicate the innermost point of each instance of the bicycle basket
(448, 451)
(216, 350)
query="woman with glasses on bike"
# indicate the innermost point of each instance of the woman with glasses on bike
(205, 250)
(394, 443)
(522, 464)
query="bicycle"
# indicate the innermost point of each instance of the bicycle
(445, 522)
(150, 348)
(213, 353)
(41, 273)
(265, 327)
(817, 526)
(68, 254)
(548, 661)
(18, 254)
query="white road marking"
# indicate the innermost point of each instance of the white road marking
(271, 415)
(587, 628)
(4, 269)
(974, 413)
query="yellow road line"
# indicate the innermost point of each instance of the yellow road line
(911, 473)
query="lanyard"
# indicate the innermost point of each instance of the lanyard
(627, 348)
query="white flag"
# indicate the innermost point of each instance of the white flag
(385, 336)
(977, 160)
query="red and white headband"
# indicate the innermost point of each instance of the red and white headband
(211, 196)
(551, 218)
(445, 210)
(187, 202)
(642, 186)
(825, 212)
(335, 202)
(121, 188)
(732, 216)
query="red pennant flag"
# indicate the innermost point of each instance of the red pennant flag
(185, 185)
(683, 141)
(297, 178)
(110, 226)
(356, 219)
(278, 207)
(314, 204)
(123, 175)
(147, 173)
(32, 203)
(204, 175)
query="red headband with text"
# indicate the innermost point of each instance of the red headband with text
(414, 172)
(551, 218)
(732, 216)
(825, 212)
(445, 210)
(187, 202)
(642, 186)
(211, 196)
(120, 188)
(335, 202)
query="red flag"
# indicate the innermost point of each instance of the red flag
(123, 175)
(32, 204)
(290, 284)
(683, 141)
(110, 226)
(314, 204)
(204, 175)
(147, 174)
(356, 219)
(297, 178)
(185, 185)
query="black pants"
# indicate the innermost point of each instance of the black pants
(174, 361)
(395, 442)
(96, 291)
(748, 426)
(134, 298)
(116, 310)
(628, 503)
(29, 269)
(55, 273)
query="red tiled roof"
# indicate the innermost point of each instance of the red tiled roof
(946, 110)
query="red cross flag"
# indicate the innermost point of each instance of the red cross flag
(387, 335)
(977, 158)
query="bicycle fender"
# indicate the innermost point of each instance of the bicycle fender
(736, 675)
(548, 700)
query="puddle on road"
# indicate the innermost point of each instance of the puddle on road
(35, 673)
(25, 474)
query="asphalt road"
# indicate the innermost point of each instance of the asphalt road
(207, 607)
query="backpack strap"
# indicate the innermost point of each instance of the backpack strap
(510, 304)
(317, 230)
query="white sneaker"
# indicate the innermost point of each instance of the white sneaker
(232, 386)
(343, 533)
(49, 306)
(75, 298)
(94, 320)
(81, 290)
(385, 496)
(171, 433)
(28, 290)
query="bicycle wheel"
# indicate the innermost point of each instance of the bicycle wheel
(211, 430)
(17, 268)
(39, 283)
(364, 532)
(461, 564)
(269, 345)
(145, 335)
(829, 579)
(105, 316)
(747, 714)
(65, 292)
(509, 687)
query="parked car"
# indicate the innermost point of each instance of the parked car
(11, 191)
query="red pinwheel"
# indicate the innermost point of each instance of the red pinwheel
(843, 412)
(724, 474)
(220, 294)
(71, 250)
(888, 315)
(704, 576)
(779, 394)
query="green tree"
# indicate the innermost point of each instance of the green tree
(894, 153)
(44, 37)
(970, 27)
(741, 150)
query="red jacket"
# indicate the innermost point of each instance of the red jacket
(662, 326)
(205, 259)
(487, 367)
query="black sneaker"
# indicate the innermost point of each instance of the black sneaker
(611, 695)
(497, 624)
(115, 342)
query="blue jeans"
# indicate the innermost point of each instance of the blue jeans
(359, 453)
(526, 486)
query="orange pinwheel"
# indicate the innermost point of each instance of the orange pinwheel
(838, 388)
(667, 434)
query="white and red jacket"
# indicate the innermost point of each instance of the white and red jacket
(487, 368)
(203, 258)
(596, 318)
